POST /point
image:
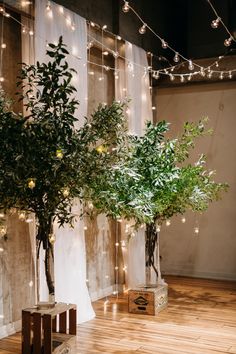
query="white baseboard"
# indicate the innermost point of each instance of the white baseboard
(10, 328)
(200, 274)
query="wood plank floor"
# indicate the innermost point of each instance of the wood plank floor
(200, 319)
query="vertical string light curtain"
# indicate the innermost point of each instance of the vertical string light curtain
(52, 21)
(134, 85)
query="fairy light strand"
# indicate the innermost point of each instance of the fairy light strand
(221, 21)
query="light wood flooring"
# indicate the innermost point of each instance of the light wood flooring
(200, 319)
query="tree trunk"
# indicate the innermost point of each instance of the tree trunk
(44, 230)
(151, 252)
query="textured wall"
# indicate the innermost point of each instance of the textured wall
(211, 253)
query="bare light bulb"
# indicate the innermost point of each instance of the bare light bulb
(142, 29)
(221, 75)
(164, 44)
(196, 230)
(230, 75)
(48, 7)
(168, 223)
(172, 77)
(125, 7)
(190, 65)
(183, 220)
(1, 79)
(3, 45)
(176, 57)
(215, 23)
(31, 183)
(181, 78)
(228, 42)
(115, 54)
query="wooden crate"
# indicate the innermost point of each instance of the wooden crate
(148, 301)
(47, 331)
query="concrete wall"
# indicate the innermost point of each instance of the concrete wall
(211, 253)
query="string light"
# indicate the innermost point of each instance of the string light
(190, 65)
(142, 29)
(31, 183)
(52, 238)
(196, 230)
(104, 27)
(183, 219)
(215, 23)
(3, 230)
(22, 215)
(3, 45)
(228, 41)
(181, 78)
(168, 222)
(66, 192)
(125, 7)
(164, 44)
(59, 154)
(48, 6)
(176, 57)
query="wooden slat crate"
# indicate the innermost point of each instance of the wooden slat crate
(39, 329)
(148, 301)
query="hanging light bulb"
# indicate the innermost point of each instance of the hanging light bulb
(66, 192)
(190, 77)
(3, 230)
(1, 79)
(115, 54)
(230, 75)
(215, 23)
(153, 108)
(3, 45)
(48, 7)
(31, 32)
(222, 75)
(22, 215)
(59, 154)
(202, 72)
(168, 222)
(196, 230)
(142, 29)
(118, 37)
(125, 7)
(92, 24)
(52, 238)
(183, 219)
(190, 65)
(209, 75)
(172, 77)
(217, 64)
(176, 57)
(181, 78)
(164, 44)
(31, 183)
(104, 27)
(228, 41)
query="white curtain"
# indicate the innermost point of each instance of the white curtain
(70, 256)
(133, 84)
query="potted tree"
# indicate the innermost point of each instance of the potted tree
(156, 181)
(46, 162)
